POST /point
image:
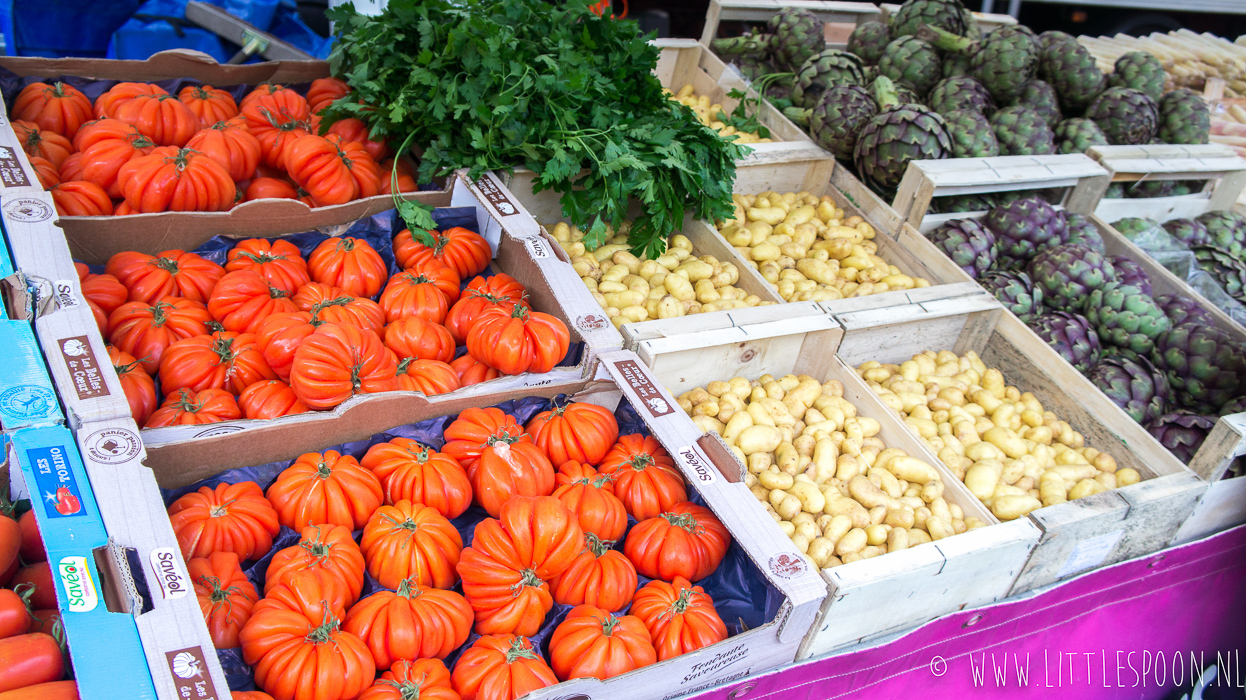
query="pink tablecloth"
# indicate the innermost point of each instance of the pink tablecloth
(1127, 631)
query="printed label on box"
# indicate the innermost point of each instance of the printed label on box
(79, 586)
(648, 393)
(55, 482)
(190, 674)
(536, 247)
(28, 401)
(704, 472)
(111, 446)
(174, 583)
(789, 565)
(495, 196)
(1090, 553)
(28, 210)
(83, 369)
(591, 322)
(11, 172)
(65, 297)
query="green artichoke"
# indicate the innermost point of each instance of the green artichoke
(1050, 38)
(1149, 189)
(899, 134)
(1205, 366)
(1182, 432)
(1115, 190)
(1184, 117)
(1016, 292)
(1183, 310)
(1228, 270)
(1077, 135)
(957, 203)
(960, 93)
(1070, 335)
(868, 41)
(1083, 232)
(1125, 316)
(1068, 274)
(1040, 98)
(1004, 61)
(839, 117)
(1139, 70)
(754, 67)
(1131, 227)
(822, 70)
(1131, 273)
(912, 62)
(968, 243)
(1072, 71)
(755, 46)
(1126, 116)
(1023, 227)
(1022, 132)
(1188, 231)
(956, 64)
(971, 135)
(946, 14)
(798, 35)
(1133, 384)
(1225, 229)
(1237, 405)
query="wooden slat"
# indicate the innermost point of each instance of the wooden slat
(1222, 506)
(763, 10)
(1226, 443)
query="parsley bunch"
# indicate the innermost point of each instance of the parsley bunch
(497, 84)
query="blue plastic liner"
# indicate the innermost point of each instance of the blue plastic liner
(57, 28)
(741, 595)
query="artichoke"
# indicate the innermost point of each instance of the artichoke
(1182, 310)
(956, 65)
(1022, 132)
(1125, 316)
(1068, 274)
(1149, 189)
(1051, 38)
(1184, 117)
(1133, 384)
(957, 203)
(968, 243)
(1083, 232)
(1072, 71)
(1023, 227)
(1131, 273)
(868, 40)
(1237, 405)
(839, 117)
(911, 62)
(1016, 292)
(1131, 227)
(1004, 61)
(754, 67)
(947, 14)
(1226, 229)
(960, 93)
(1039, 97)
(1205, 367)
(1189, 231)
(753, 46)
(798, 35)
(1139, 70)
(1228, 270)
(822, 70)
(1115, 190)
(1126, 116)
(971, 135)
(1071, 336)
(1078, 135)
(1182, 432)
(899, 134)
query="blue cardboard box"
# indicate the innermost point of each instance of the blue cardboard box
(27, 398)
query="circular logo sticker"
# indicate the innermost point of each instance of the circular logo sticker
(112, 445)
(787, 565)
(27, 401)
(219, 430)
(28, 210)
(591, 322)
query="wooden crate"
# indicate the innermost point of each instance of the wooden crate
(1078, 535)
(839, 17)
(986, 21)
(1220, 165)
(1221, 461)
(887, 594)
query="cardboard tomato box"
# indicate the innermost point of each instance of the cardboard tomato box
(784, 594)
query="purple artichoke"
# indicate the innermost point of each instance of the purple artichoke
(1133, 384)
(1083, 232)
(1071, 335)
(1205, 367)
(1181, 310)
(1182, 432)
(1068, 274)
(1131, 273)
(1016, 291)
(968, 243)
(1188, 231)
(1237, 405)
(1025, 227)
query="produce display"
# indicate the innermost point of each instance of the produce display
(1012, 453)
(827, 479)
(1228, 126)
(808, 251)
(451, 556)
(138, 149)
(1158, 358)
(1216, 238)
(715, 117)
(299, 324)
(1188, 59)
(633, 289)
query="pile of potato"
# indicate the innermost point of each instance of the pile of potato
(708, 114)
(633, 289)
(1011, 452)
(837, 491)
(804, 246)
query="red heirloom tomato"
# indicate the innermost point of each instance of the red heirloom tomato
(336, 306)
(140, 390)
(231, 145)
(405, 177)
(80, 198)
(687, 540)
(101, 161)
(58, 108)
(581, 432)
(45, 144)
(409, 540)
(210, 105)
(419, 295)
(680, 617)
(422, 679)
(146, 331)
(277, 116)
(223, 360)
(500, 459)
(269, 399)
(71, 169)
(247, 695)
(164, 119)
(230, 518)
(279, 337)
(328, 547)
(363, 168)
(326, 488)
(507, 569)
(413, 472)
(501, 667)
(307, 591)
(413, 622)
(465, 252)
(645, 476)
(500, 290)
(349, 264)
(590, 497)
(472, 371)
(225, 596)
(338, 361)
(278, 261)
(270, 188)
(306, 654)
(107, 103)
(243, 298)
(319, 166)
(598, 576)
(186, 407)
(173, 273)
(592, 643)
(429, 377)
(417, 338)
(46, 172)
(355, 131)
(325, 90)
(104, 291)
(518, 341)
(171, 179)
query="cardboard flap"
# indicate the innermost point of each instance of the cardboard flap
(165, 65)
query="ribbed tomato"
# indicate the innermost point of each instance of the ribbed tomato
(269, 399)
(47, 173)
(164, 119)
(175, 273)
(599, 576)
(413, 472)
(328, 547)
(465, 252)
(338, 361)
(231, 145)
(506, 571)
(500, 458)
(147, 330)
(472, 371)
(355, 131)
(280, 101)
(249, 695)
(422, 679)
(104, 129)
(680, 617)
(592, 643)
(276, 116)
(686, 540)
(349, 264)
(417, 338)
(243, 298)
(223, 360)
(501, 667)
(325, 90)
(419, 295)
(334, 305)
(71, 168)
(325, 488)
(590, 497)
(270, 188)
(45, 144)
(500, 290)
(321, 168)
(225, 595)
(117, 95)
(412, 622)
(210, 105)
(645, 477)
(307, 591)
(410, 540)
(429, 377)
(171, 179)
(186, 407)
(403, 180)
(104, 291)
(102, 160)
(140, 390)
(80, 198)
(279, 337)
(518, 341)
(58, 107)
(363, 168)
(123, 208)
(301, 655)
(229, 518)
(278, 261)
(580, 432)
